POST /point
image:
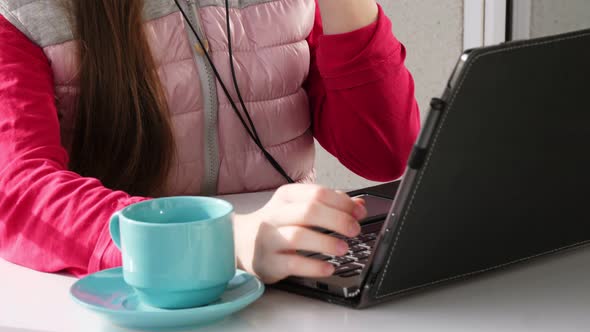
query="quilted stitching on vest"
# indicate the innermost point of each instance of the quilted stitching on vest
(272, 62)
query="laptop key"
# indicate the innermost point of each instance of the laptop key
(357, 248)
(352, 257)
(346, 268)
(340, 261)
(363, 261)
(343, 260)
(335, 263)
(363, 255)
(354, 241)
(365, 246)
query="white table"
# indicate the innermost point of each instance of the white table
(550, 294)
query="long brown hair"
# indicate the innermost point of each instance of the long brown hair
(122, 132)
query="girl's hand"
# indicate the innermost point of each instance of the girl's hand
(267, 240)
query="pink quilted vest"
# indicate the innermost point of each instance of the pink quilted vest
(214, 153)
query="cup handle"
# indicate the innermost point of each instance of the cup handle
(115, 230)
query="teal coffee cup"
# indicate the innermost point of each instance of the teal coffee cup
(178, 252)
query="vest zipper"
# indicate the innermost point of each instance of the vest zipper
(210, 104)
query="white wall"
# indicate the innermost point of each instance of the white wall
(550, 17)
(432, 31)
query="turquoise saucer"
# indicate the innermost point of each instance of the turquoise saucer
(107, 294)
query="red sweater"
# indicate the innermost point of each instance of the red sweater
(51, 219)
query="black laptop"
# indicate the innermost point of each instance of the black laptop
(500, 174)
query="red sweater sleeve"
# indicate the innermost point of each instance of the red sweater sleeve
(51, 219)
(362, 98)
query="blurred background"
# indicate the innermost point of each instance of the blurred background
(436, 31)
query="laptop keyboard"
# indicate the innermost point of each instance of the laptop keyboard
(351, 264)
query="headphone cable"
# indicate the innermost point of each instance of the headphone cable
(252, 133)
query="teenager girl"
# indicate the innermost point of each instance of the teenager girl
(109, 102)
